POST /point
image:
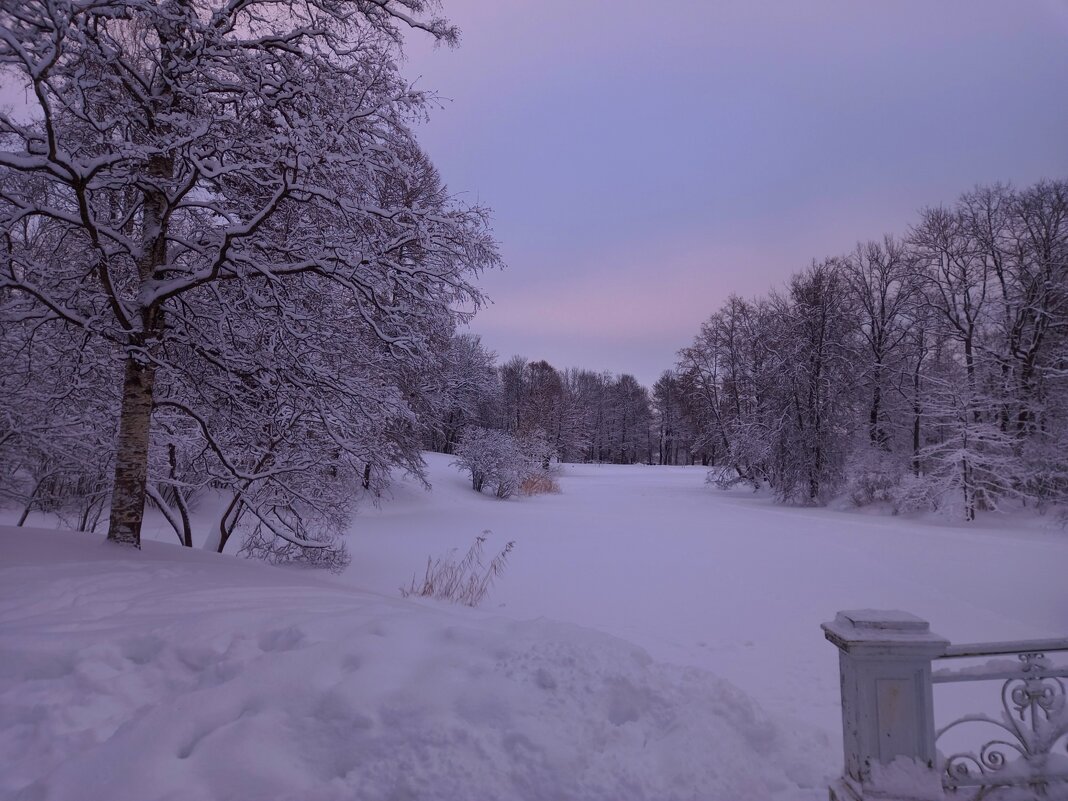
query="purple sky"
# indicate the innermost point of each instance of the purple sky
(646, 159)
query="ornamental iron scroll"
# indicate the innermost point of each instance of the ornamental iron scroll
(1028, 759)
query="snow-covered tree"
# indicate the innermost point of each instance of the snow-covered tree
(57, 403)
(254, 241)
(462, 389)
(931, 368)
(718, 380)
(883, 283)
(672, 420)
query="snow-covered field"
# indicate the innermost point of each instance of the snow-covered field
(726, 581)
(651, 638)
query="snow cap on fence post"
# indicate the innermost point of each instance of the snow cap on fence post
(887, 710)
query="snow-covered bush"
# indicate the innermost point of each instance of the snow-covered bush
(509, 478)
(873, 476)
(504, 464)
(462, 581)
(485, 453)
(913, 494)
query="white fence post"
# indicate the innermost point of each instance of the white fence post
(887, 710)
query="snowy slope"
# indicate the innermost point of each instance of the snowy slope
(171, 674)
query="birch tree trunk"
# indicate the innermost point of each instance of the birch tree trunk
(131, 453)
(139, 378)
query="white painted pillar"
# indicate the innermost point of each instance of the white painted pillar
(887, 711)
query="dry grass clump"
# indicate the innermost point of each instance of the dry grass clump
(463, 581)
(538, 484)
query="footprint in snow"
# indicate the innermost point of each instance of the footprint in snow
(281, 639)
(141, 650)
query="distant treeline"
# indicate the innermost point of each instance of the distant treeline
(585, 415)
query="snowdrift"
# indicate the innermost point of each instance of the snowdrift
(171, 674)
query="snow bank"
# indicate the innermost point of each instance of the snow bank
(172, 674)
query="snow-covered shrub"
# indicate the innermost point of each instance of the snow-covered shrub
(481, 453)
(462, 581)
(913, 494)
(501, 462)
(508, 482)
(873, 476)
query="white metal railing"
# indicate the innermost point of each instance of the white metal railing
(1032, 721)
(889, 664)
